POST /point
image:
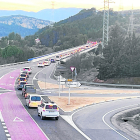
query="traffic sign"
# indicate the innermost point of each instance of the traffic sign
(61, 79)
(72, 68)
(69, 80)
(73, 84)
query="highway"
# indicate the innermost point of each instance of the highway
(54, 130)
(23, 123)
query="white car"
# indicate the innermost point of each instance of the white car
(48, 109)
(40, 64)
(47, 62)
(33, 100)
(27, 69)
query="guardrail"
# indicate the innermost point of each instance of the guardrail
(14, 63)
(109, 85)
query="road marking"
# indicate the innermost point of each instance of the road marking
(103, 118)
(34, 120)
(1, 118)
(17, 120)
(36, 74)
(69, 120)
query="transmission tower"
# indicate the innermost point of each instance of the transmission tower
(106, 22)
(131, 24)
(52, 3)
(121, 6)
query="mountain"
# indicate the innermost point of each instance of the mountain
(46, 14)
(77, 29)
(22, 25)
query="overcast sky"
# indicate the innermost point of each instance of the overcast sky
(37, 5)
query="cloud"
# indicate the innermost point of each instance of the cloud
(37, 5)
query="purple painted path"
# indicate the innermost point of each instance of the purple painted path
(23, 128)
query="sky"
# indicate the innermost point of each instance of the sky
(37, 5)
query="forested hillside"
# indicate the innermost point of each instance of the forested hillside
(88, 24)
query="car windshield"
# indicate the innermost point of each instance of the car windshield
(35, 98)
(57, 56)
(51, 107)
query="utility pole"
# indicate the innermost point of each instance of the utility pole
(106, 23)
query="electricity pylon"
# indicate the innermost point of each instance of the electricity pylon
(106, 22)
(131, 24)
(121, 6)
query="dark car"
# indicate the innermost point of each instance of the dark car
(21, 84)
(22, 79)
(52, 60)
(23, 75)
(27, 87)
(25, 72)
(29, 91)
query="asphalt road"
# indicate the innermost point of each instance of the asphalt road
(89, 120)
(95, 122)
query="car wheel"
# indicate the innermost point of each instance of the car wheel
(56, 118)
(28, 106)
(42, 118)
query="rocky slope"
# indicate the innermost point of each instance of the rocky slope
(16, 23)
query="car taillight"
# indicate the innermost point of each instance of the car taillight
(44, 109)
(57, 109)
(29, 102)
(23, 69)
(28, 70)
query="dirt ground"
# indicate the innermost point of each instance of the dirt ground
(77, 102)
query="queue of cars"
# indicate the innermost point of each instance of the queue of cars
(45, 108)
(46, 62)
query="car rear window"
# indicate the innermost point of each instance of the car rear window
(22, 79)
(22, 83)
(23, 75)
(30, 87)
(31, 90)
(35, 98)
(27, 68)
(51, 107)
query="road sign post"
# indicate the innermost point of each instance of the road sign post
(61, 81)
(69, 97)
(70, 84)
(72, 69)
(59, 86)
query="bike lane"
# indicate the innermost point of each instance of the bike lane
(18, 122)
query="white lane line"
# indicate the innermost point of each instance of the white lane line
(69, 120)
(52, 71)
(1, 118)
(36, 74)
(103, 118)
